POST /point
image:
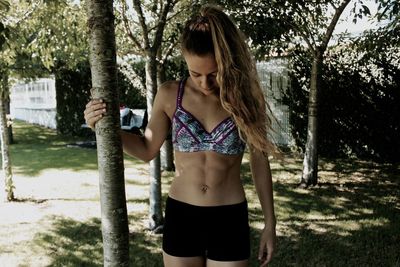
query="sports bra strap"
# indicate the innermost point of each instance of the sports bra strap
(180, 93)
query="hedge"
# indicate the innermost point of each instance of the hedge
(73, 93)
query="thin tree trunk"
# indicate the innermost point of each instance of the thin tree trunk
(167, 155)
(155, 209)
(8, 116)
(310, 162)
(167, 151)
(150, 48)
(114, 219)
(5, 142)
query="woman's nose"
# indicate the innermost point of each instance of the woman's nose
(205, 83)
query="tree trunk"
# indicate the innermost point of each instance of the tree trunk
(8, 117)
(5, 151)
(310, 162)
(167, 151)
(114, 217)
(167, 155)
(155, 210)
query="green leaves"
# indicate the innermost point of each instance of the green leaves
(45, 35)
(4, 6)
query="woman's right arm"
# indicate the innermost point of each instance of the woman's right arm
(143, 147)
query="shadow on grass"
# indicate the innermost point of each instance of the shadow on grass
(362, 231)
(351, 166)
(354, 222)
(74, 243)
(370, 246)
(332, 227)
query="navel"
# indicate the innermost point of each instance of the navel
(204, 188)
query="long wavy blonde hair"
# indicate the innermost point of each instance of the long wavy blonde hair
(212, 31)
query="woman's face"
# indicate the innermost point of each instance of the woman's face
(203, 72)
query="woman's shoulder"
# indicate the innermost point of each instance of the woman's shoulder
(168, 90)
(167, 93)
(168, 86)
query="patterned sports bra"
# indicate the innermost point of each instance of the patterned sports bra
(189, 135)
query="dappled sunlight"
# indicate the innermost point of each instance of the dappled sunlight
(287, 229)
(355, 204)
(257, 225)
(72, 242)
(365, 211)
(350, 218)
(145, 246)
(334, 220)
(319, 217)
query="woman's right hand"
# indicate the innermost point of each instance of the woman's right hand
(94, 111)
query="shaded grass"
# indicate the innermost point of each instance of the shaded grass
(331, 226)
(73, 243)
(37, 148)
(352, 218)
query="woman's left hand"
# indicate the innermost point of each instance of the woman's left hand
(267, 245)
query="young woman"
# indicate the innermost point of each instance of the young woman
(213, 114)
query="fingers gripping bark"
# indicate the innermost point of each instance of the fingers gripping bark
(94, 111)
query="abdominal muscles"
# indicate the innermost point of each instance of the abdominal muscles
(207, 178)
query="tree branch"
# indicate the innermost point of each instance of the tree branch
(130, 52)
(175, 14)
(168, 19)
(304, 31)
(332, 25)
(161, 23)
(311, 44)
(142, 20)
(169, 51)
(128, 28)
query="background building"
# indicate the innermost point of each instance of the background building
(274, 80)
(34, 102)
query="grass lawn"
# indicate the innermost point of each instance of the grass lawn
(352, 218)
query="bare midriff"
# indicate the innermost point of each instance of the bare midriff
(207, 178)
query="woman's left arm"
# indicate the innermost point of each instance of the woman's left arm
(263, 182)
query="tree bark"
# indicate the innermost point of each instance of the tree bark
(114, 219)
(167, 151)
(310, 162)
(5, 141)
(167, 155)
(8, 117)
(155, 210)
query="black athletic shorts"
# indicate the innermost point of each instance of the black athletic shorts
(219, 233)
